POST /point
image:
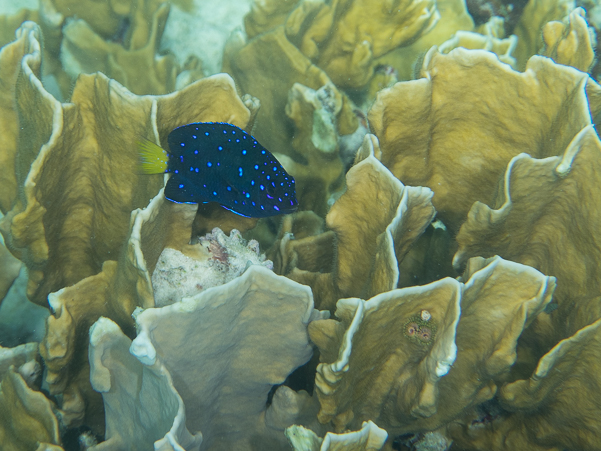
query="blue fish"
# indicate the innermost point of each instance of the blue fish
(219, 162)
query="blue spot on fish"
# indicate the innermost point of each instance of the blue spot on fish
(232, 184)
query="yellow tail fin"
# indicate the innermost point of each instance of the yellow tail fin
(153, 158)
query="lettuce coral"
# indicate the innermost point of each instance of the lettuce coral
(381, 374)
(542, 203)
(438, 131)
(472, 158)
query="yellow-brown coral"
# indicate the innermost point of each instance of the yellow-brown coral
(344, 37)
(375, 221)
(65, 228)
(381, 374)
(546, 216)
(569, 43)
(456, 128)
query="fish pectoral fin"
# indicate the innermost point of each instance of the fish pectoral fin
(181, 190)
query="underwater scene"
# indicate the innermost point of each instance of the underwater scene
(272, 225)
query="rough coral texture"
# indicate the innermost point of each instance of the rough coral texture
(217, 259)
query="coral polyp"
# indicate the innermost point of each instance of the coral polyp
(419, 330)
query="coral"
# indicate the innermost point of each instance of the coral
(430, 441)
(345, 37)
(138, 67)
(302, 113)
(321, 174)
(528, 30)
(50, 22)
(115, 292)
(484, 10)
(216, 260)
(194, 342)
(227, 352)
(20, 357)
(70, 231)
(558, 381)
(266, 15)
(545, 216)
(120, 39)
(381, 373)
(249, 63)
(369, 437)
(454, 17)
(26, 416)
(9, 270)
(569, 43)
(143, 410)
(375, 223)
(503, 48)
(462, 162)
(91, 143)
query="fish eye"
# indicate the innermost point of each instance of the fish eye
(270, 190)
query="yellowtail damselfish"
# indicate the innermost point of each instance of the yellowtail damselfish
(219, 162)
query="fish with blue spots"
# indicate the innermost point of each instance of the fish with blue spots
(219, 162)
